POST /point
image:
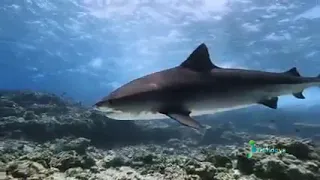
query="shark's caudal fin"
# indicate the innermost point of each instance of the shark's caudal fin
(199, 60)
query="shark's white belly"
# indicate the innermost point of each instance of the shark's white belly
(141, 115)
(219, 106)
(209, 106)
(196, 110)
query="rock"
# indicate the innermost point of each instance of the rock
(3, 175)
(225, 176)
(7, 103)
(42, 157)
(176, 143)
(145, 158)
(169, 151)
(70, 159)
(298, 149)
(205, 170)
(79, 145)
(25, 169)
(312, 166)
(2, 166)
(297, 173)
(114, 161)
(219, 160)
(27, 98)
(123, 173)
(79, 173)
(9, 111)
(251, 177)
(49, 109)
(244, 164)
(270, 167)
(29, 115)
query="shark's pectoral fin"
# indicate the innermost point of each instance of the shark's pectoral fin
(293, 72)
(199, 60)
(299, 95)
(185, 119)
(271, 103)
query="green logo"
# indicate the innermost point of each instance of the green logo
(253, 148)
(265, 149)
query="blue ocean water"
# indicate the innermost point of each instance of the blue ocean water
(86, 48)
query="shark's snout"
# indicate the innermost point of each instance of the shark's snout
(107, 106)
(105, 102)
(98, 104)
(109, 111)
(104, 105)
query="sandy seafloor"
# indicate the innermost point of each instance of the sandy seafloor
(43, 137)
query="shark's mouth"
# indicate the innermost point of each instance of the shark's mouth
(106, 110)
(127, 115)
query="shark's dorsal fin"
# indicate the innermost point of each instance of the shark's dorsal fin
(199, 60)
(271, 103)
(293, 72)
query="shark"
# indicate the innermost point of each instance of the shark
(199, 87)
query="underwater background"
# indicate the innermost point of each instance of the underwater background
(58, 57)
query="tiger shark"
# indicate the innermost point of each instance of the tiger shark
(199, 87)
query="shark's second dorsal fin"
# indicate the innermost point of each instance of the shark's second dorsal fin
(199, 60)
(299, 95)
(293, 72)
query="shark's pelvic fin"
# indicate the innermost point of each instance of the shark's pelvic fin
(299, 95)
(293, 72)
(271, 103)
(185, 119)
(199, 60)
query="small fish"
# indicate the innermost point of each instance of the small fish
(199, 87)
